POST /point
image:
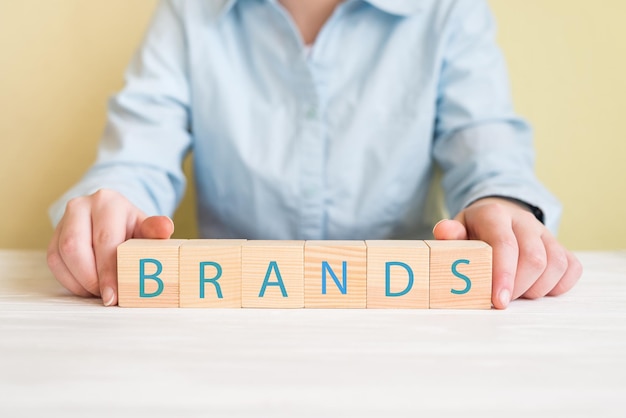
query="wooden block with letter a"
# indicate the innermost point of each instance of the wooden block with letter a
(147, 273)
(397, 274)
(460, 274)
(273, 274)
(210, 273)
(335, 274)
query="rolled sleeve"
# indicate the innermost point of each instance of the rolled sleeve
(482, 146)
(147, 132)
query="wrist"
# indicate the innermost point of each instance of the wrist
(511, 202)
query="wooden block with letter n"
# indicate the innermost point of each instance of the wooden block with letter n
(147, 273)
(210, 273)
(273, 274)
(335, 274)
(397, 274)
(460, 274)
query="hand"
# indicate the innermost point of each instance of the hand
(82, 254)
(528, 261)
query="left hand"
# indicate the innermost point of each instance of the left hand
(528, 261)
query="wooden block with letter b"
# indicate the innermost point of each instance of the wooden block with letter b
(273, 274)
(397, 274)
(210, 273)
(148, 273)
(460, 274)
(335, 274)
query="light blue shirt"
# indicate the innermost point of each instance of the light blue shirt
(340, 142)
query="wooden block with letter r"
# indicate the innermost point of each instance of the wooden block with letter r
(147, 273)
(335, 274)
(273, 274)
(210, 273)
(397, 274)
(460, 274)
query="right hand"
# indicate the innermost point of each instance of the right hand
(82, 254)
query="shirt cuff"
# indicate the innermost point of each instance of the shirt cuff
(537, 212)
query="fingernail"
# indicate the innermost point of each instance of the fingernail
(108, 296)
(437, 224)
(505, 297)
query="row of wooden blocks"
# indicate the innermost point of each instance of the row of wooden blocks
(304, 274)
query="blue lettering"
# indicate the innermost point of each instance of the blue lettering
(468, 282)
(406, 290)
(154, 276)
(279, 280)
(213, 281)
(343, 287)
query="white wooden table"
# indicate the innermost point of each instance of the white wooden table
(65, 356)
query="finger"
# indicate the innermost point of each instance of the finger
(75, 245)
(571, 276)
(450, 230)
(59, 269)
(157, 227)
(112, 225)
(533, 257)
(556, 267)
(494, 226)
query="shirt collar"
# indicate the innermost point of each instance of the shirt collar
(398, 7)
(219, 8)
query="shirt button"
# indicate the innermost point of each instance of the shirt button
(311, 113)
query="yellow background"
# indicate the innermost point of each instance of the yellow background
(61, 59)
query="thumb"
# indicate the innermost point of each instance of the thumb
(155, 227)
(448, 229)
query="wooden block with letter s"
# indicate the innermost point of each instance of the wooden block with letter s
(460, 274)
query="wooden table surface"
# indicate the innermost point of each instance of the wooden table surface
(65, 356)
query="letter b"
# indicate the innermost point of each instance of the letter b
(154, 276)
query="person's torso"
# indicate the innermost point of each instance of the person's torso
(331, 144)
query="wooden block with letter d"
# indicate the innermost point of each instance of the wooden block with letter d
(210, 273)
(273, 274)
(397, 274)
(335, 274)
(147, 273)
(460, 274)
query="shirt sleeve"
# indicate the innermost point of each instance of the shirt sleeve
(147, 132)
(482, 146)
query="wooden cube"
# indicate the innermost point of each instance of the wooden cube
(210, 273)
(335, 274)
(460, 274)
(397, 274)
(148, 273)
(273, 274)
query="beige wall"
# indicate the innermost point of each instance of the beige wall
(61, 59)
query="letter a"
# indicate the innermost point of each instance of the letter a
(279, 280)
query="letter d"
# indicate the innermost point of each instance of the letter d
(409, 285)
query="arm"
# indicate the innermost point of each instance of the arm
(138, 171)
(485, 151)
